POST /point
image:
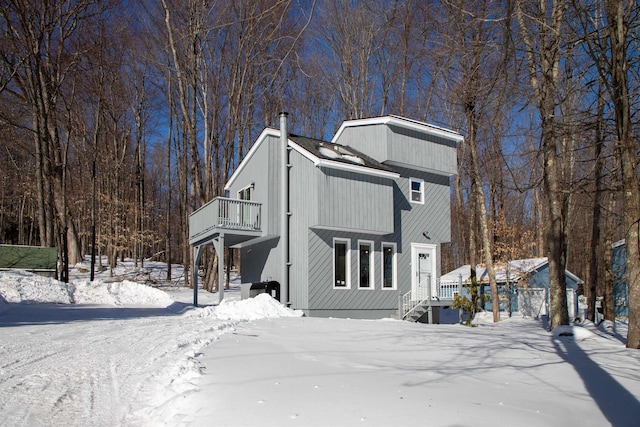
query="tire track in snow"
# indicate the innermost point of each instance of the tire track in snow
(99, 372)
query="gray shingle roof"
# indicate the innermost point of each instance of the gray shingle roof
(337, 152)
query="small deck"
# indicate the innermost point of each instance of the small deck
(222, 222)
(238, 220)
(415, 303)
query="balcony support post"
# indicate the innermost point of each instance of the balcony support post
(218, 245)
(194, 273)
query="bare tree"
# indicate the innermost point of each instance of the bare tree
(38, 41)
(607, 30)
(541, 26)
(474, 77)
(618, 14)
(351, 33)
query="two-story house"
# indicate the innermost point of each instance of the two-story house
(344, 227)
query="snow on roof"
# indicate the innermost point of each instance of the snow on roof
(516, 269)
(327, 154)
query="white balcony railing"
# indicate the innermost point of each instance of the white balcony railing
(221, 212)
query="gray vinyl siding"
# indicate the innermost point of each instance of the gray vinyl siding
(272, 204)
(261, 260)
(264, 172)
(424, 151)
(410, 222)
(303, 205)
(371, 140)
(329, 198)
(322, 295)
(432, 217)
(349, 200)
(395, 144)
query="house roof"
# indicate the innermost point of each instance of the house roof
(322, 154)
(517, 269)
(328, 154)
(618, 243)
(402, 122)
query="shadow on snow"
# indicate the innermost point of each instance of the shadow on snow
(616, 403)
(44, 313)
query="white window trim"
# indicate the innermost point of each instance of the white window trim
(240, 215)
(394, 266)
(372, 280)
(248, 187)
(421, 181)
(347, 262)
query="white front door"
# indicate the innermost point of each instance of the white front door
(423, 271)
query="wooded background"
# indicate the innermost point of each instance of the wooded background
(119, 118)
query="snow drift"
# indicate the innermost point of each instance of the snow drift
(27, 288)
(263, 306)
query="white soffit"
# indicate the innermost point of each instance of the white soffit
(401, 122)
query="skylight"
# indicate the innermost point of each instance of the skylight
(340, 153)
(329, 153)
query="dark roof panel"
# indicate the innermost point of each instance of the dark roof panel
(337, 152)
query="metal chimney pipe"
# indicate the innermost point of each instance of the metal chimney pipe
(284, 208)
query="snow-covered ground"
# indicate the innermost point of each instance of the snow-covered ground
(130, 350)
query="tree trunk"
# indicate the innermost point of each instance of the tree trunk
(618, 16)
(555, 233)
(595, 248)
(543, 62)
(481, 211)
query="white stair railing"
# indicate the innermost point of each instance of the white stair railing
(424, 293)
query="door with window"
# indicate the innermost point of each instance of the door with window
(423, 266)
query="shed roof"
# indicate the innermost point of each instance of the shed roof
(516, 269)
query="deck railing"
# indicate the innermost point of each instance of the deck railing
(222, 212)
(427, 291)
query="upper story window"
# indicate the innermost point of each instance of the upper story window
(416, 190)
(245, 193)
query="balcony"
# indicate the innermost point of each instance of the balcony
(238, 220)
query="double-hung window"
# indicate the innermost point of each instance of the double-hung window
(365, 265)
(389, 266)
(416, 190)
(341, 264)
